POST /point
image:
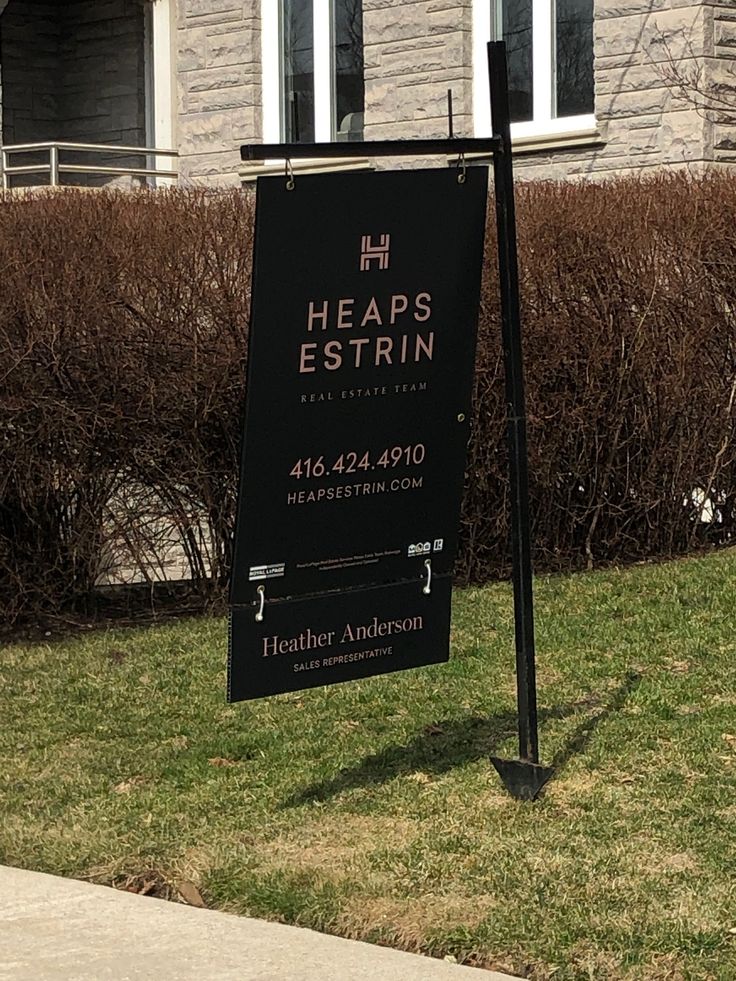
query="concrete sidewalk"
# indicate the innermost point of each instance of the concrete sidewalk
(55, 929)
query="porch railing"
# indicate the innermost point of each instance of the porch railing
(55, 166)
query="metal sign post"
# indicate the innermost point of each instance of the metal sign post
(524, 777)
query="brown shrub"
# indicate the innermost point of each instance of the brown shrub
(628, 299)
(122, 344)
(122, 349)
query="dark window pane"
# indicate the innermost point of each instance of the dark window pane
(517, 33)
(349, 85)
(575, 91)
(298, 72)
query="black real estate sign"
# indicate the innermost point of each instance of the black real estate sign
(361, 353)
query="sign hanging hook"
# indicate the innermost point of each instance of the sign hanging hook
(289, 174)
(262, 596)
(463, 169)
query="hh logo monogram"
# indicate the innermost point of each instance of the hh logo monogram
(374, 253)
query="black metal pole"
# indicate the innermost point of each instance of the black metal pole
(526, 685)
(369, 148)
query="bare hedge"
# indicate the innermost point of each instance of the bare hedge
(122, 338)
(629, 307)
(122, 358)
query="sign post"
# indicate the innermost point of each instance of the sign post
(361, 357)
(524, 778)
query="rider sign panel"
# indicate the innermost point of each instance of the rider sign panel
(362, 341)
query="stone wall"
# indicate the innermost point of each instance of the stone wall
(219, 85)
(29, 54)
(642, 124)
(73, 72)
(414, 52)
(102, 98)
(416, 49)
(76, 71)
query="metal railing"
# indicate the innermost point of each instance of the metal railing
(55, 167)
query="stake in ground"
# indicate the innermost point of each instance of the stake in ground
(371, 809)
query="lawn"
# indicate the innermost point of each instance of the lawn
(371, 810)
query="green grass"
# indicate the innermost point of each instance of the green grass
(371, 810)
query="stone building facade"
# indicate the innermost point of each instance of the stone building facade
(205, 76)
(73, 71)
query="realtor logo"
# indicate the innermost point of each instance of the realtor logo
(374, 253)
(421, 548)
(273, 571)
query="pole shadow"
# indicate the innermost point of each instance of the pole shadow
(578, 741)
(449, 743)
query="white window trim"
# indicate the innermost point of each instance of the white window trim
(161, 84)
(324, 63)
(270, 72)
(545, 123)
(483, 32)
(272, 68)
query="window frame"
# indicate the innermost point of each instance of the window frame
(160, 85)
(544, 122)
(272, 62)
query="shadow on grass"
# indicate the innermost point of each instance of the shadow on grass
(577, 742)
(453, 742)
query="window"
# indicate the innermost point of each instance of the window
(549, 46)
(313, 86)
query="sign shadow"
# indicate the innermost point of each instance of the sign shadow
(449, 743)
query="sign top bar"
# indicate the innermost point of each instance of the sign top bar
(369, 148)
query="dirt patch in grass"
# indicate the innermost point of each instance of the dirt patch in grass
(337, 846)
(408, 923)
(680, 862)
(150, 882)
(569, 789)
